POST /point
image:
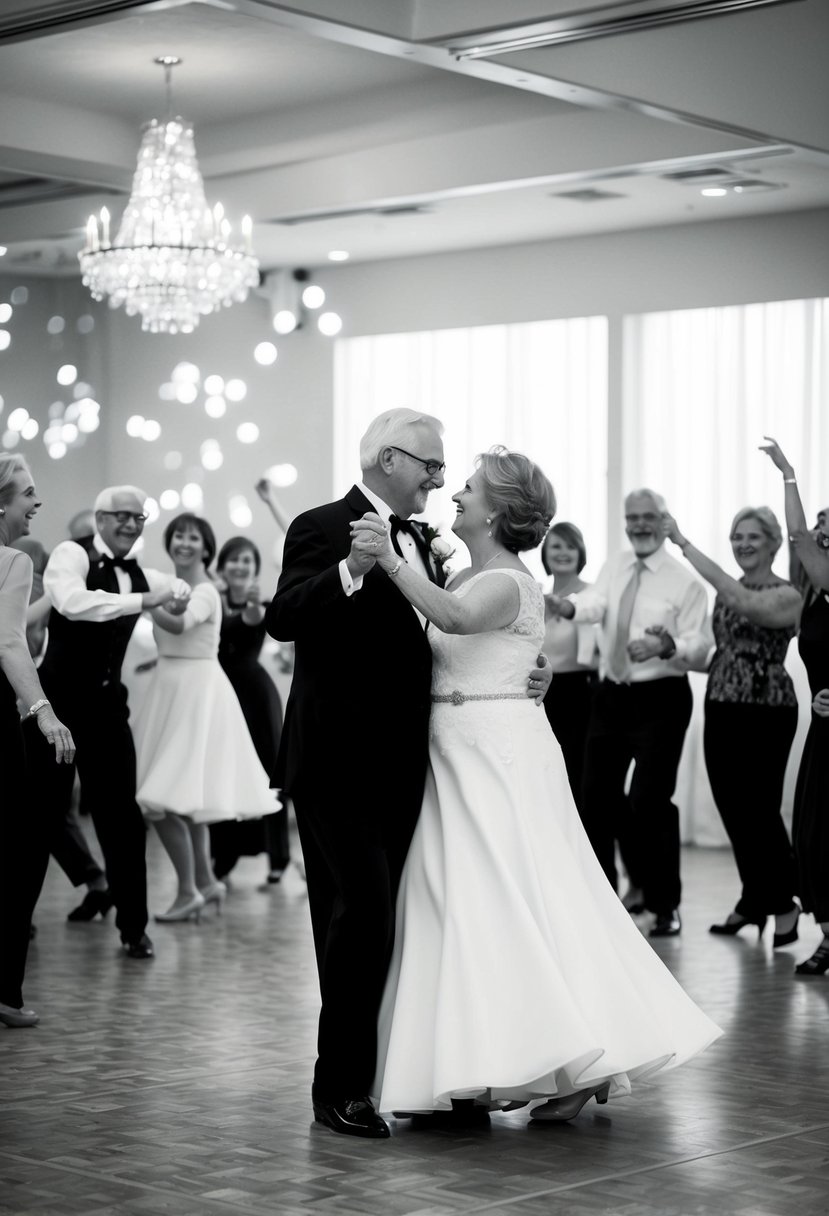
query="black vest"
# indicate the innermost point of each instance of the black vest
(85, 656)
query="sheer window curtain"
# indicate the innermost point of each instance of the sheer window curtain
(539, 388)
(701, 389)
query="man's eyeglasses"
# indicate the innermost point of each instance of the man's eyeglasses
(431, 466)
(123, 517)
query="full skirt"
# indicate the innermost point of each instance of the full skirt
(516, 972)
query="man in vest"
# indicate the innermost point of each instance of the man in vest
(97, 594)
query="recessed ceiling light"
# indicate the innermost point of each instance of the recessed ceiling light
(714, 192)
(3, 249)
(338, 255)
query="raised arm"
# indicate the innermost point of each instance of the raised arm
(804, 552)
(775, 607)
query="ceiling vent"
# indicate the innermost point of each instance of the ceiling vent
(588, 195)
(712, 174)
(752, 185)
(316, 217)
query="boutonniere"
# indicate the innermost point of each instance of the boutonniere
(439, 546)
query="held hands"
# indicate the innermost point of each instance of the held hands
(55, 733)
(772, 449)
(370, 543)
(820, 705)
(560, 606)
(178, 597)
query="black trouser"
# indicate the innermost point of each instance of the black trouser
(106, 766)
(568, 703)
(646, 723)
(353, 879)
(70, 850)
(746, 751)
(24, 853)
(230, 840)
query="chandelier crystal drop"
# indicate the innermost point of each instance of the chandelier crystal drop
(173, 259)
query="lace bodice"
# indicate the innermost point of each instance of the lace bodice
(493, 662)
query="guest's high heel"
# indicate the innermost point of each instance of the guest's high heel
(818, 964)
(559, 1110)
(10, 1016)
(192, 910)
(94, 903)
(730, 928)
(214, 894)
(791, 935)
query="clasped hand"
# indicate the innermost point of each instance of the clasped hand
(370, 542)
(178, 598)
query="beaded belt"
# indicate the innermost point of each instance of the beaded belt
(458, 698)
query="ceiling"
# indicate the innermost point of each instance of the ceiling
(392, 128)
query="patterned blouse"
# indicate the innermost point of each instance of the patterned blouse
(747, 667)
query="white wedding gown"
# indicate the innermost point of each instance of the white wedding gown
(516, 973)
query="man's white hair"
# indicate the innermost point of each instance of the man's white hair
(106, 499)
(657, 499)
(394, 428)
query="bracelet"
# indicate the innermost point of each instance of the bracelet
(38, 705)
(395, 570)
(789, 481)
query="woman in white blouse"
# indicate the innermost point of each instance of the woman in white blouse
(196, 761)
(570, 649)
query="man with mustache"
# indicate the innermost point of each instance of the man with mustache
(97, 593)
(356, 821)
(652, 613)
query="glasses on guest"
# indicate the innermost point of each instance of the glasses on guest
(124, 517)
(431, 466)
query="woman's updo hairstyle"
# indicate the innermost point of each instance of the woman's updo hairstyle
(522, 500)
(181, 522)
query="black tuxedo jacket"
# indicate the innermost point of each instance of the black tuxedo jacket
(356, 724)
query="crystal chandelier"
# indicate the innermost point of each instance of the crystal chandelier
(173, 260)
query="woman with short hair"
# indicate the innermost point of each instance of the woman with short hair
(196, 762)
(751, 717)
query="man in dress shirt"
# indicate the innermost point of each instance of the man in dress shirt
(97, 594)
(356, 820)
(652, 613)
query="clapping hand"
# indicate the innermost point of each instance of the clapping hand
(773, 450)
(370, 541)
(253, 595)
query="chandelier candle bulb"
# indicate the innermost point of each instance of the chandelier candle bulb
(105, 228)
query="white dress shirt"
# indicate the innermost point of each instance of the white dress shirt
(64, 581)
(410, 551)
(668, 596)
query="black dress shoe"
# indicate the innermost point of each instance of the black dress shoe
(94, 903)
(142, 947)
(667, 924)
(351, 1117)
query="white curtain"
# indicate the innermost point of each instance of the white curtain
(701, 389)
(539, 388)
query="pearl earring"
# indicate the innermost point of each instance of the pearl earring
(489, 521)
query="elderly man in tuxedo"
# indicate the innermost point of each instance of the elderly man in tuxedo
(97, 593)
(356, 821)
(652, 612)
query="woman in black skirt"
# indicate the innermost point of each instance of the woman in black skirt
(810, 826)
(24, 853)
(242, 636)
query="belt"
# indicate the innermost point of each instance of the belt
(459, 698)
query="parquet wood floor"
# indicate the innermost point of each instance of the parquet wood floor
(181, 1085)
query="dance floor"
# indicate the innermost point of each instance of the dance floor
(181, 1085)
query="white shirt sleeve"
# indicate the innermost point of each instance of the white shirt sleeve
(591, 603)
(693, 641)
(64, 581)
(350, 585)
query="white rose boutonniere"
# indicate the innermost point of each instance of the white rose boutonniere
(439, 547)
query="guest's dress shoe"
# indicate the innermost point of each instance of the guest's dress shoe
(789, 935)
(734, 922)
(94, 903)
(141, 947)
(10, 1016)
(351, 1117)
(216, 894)
(560, 1110)
(667, 924)
(818, 963)
(633, 901)
(191, 909)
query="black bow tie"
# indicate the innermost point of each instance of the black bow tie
(124, 563)
(401, 525)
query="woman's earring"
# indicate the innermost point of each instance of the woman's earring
(489, 521)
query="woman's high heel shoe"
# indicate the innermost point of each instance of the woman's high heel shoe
(192, 910)
(730, 928)
(9, 1016)
(559, 1110)
(786, 939)
(818, 964)
(214, 894)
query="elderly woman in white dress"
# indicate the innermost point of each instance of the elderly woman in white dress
(196, 761)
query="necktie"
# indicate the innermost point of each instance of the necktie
(619, 662)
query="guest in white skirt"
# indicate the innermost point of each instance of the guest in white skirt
(196, 762)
